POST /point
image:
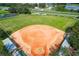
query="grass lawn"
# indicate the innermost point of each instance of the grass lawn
(15, 23)
(3, 12)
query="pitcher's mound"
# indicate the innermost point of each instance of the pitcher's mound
(38, 40)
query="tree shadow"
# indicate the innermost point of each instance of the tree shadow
(4, 51)
(70, 28)
(4, 34)
(73, 39)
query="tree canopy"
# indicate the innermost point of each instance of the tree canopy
(74, 36)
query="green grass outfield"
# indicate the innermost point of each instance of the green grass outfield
(13, 24)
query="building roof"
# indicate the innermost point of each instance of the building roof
(9, 45)
(38, 40)
(72, 7)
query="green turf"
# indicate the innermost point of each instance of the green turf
(15, 23)
(3, 12)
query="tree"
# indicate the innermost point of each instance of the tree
(60, 6)
(42, 5)
(65, 51)
(74, 36)
(20, 9)
(12, 10)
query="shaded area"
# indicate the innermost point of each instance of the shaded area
(74, 35)
(3, 50)
(4, 34)
(73, 40)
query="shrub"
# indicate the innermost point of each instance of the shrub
(12, 10)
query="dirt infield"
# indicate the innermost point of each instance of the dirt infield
(38, 40)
